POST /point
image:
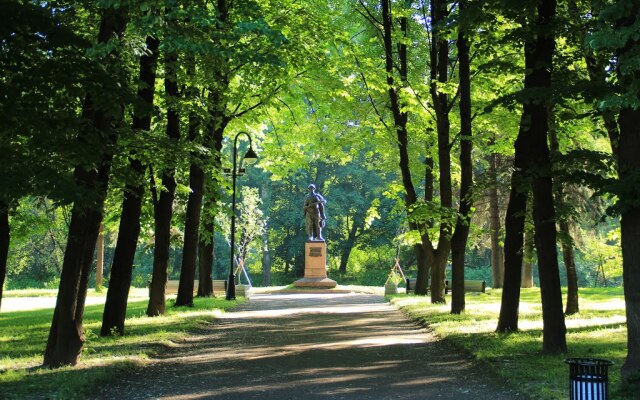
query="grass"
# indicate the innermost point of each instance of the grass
(598, 331)
(23, 335)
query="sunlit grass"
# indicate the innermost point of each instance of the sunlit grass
(598, 331)
(23, 336)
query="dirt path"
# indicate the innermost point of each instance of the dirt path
(310, 346)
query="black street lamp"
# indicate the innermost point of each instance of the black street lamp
(250, 158)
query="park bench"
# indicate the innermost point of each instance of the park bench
(410, 285)
(219, 286)
(469, 286)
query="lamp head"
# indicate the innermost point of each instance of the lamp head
(251, 156)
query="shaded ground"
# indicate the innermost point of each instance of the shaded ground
(310, 346)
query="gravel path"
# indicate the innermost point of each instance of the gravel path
(310, 346)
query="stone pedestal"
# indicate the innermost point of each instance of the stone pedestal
(315, 267)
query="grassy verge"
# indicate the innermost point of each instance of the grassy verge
(598, 331)
(23, 336)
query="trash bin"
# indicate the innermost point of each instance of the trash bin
(588, 378)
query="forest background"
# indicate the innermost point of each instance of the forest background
(126, 139)
(323, 130)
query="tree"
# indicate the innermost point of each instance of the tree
(459, 239)
(163, 204)
(532, 163)
(618, 34)
(115, 308)
(66, 336)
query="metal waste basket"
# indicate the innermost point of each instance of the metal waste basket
(588, 378)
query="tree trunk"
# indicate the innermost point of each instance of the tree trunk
(191, 232)
(206, 256)
(528, 255)
(572, 306)
(115, 309)
(400, 117)
(66, 336)
(192, 222)
(565, 235)
(497, 253)
(629, 170)
(554, 330)
(163, 208)
(5, 238)
(459, 239)
(439, 75)
(514, 231)
(348, 246)
(266, 261)
(100, 257)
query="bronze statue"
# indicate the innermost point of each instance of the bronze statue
(314, 213)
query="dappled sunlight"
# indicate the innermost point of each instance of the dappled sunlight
(323, 345)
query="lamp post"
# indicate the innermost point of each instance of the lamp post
(250, 158)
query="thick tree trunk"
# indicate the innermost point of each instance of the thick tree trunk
(514, 231)
(66, 336)
(459, 239)
(497, 253)
(554, 330)
(206, 256)
(192, 222)
(191, 233)
(629, 170)
(115, 309)
(163, 209)
(207, 243)
(439, 75)
(528, 255)
(5, 238)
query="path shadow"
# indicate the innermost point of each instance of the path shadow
(309, 346)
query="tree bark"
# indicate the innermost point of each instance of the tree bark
(100, 257)
(197, 182)
(115, 309)
(439, 75)
(554, 330)
(528, 254)
(497, 253)
(629, 169)
(206, 255)
(5, 239)
(566, 241)
(572, 306)
(514, 228)
(459, 239)
(266, 260)
(163, 208)
(348, 246)
(66, 336)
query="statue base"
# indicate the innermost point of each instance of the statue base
(315, 267)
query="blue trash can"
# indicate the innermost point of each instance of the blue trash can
(588, 378)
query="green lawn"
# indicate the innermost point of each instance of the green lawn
(23, 335)
(598, 331)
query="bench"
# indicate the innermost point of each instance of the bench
(469, 286)
(219, 286)
(411, 285)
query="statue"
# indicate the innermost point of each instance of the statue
(314, 213)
